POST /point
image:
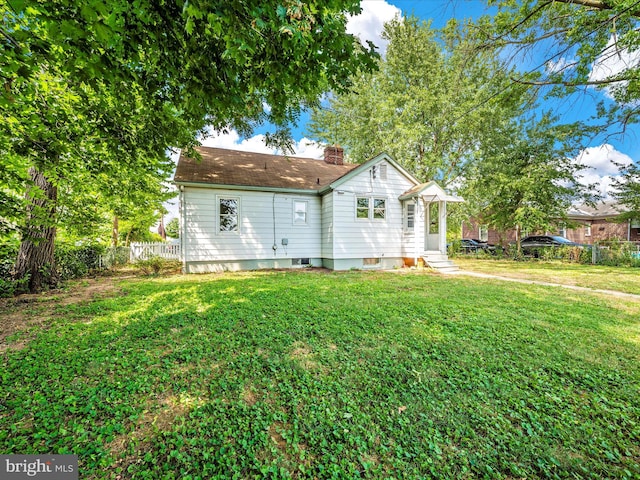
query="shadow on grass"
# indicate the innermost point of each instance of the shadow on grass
(286, 374)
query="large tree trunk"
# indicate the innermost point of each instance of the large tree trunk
(36, 254)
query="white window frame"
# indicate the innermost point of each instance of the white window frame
(483, 233)
(361, 209)
(371, 208)
(372, 205)
(306, 212)
(410, 217)
(587, 230)
(219, 230)
(562, 230)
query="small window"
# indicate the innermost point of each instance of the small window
(299, 212)
(362, 207)
(370, 262)
(587, 230)
(483, 233)
(379, 209)
(228, 214)
(300, 261)
(411, 216)
(562, 231)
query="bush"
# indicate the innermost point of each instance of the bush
(8, 285)
(74, 261)
(154, 265)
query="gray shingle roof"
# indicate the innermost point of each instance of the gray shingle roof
(233, 167)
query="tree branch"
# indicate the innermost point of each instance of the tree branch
(569, 84)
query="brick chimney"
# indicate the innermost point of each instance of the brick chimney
(334, 155)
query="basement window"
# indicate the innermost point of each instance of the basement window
(370, 262)
(301, 261)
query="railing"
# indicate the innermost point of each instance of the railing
(145, 250)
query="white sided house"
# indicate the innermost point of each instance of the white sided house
(245, 211)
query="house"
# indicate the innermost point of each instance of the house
(586, 224)
(243, 211)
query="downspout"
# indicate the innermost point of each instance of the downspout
(182, 232)
(273, 212)
(415, 231)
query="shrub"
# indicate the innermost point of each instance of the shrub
(154, 265)
(75, 261)
(8, 285)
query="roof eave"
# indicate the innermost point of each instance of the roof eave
(253, 188)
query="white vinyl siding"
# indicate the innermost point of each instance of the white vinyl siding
(356, 235)
(255, 236)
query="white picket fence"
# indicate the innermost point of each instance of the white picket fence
(145, 250)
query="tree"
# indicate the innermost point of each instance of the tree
(94, 89)
(627, 191)
(426, 105)
(528, 180)
(173, 228)
(576, 44)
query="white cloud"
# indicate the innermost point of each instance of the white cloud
(302, 148)
(559, 66)
(612, 61)
(369, 24)
(602, 167)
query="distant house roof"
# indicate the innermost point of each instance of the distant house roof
(221, 166)
(605, 209)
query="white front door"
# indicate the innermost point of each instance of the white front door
(432, 227)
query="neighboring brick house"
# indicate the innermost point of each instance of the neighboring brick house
(586, 225)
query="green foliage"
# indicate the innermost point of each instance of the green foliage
(576, 43)
(173, 228)
(627, 191)
(93, 97)
(8, 285)
(275, 375)
(75, 261)
(155, 265)
(526, 180)
(426, 105)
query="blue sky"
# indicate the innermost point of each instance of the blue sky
(599, 154)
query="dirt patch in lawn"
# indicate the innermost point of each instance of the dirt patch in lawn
(22, 313)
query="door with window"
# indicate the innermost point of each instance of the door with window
(432, 227)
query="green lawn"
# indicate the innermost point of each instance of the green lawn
(623, 279)
(327, 375)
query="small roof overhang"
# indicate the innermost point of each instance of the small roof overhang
(431, 192)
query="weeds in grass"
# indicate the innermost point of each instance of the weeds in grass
(300, 375)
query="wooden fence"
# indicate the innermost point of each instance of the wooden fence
(145, 250)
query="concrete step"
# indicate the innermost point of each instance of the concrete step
(441, 265)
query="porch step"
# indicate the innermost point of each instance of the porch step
(440, 263)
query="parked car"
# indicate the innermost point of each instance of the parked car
(490, 247)
(532, 244)
(471, 245)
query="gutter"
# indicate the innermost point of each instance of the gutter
(296, 191)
